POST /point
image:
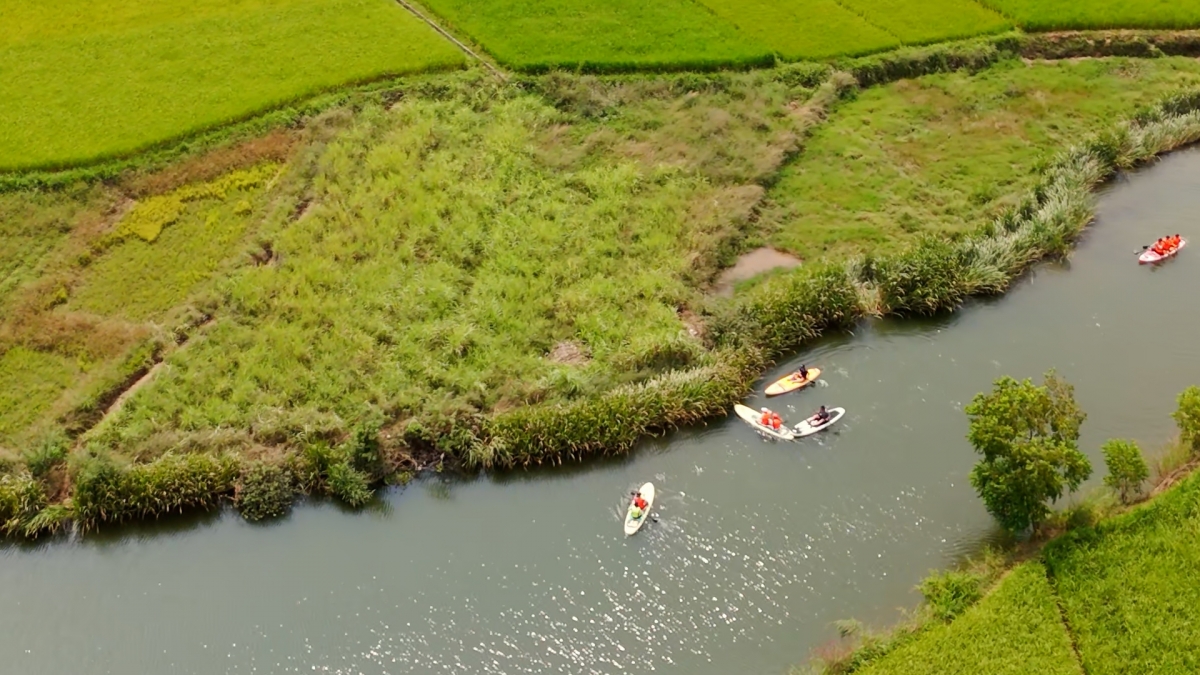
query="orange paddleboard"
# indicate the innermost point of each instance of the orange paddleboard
(792, 383)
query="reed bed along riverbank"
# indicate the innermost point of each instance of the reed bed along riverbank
(482, 274)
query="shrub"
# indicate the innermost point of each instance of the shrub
(47, 454)
(1187, 417)
(105, 492)
(265, 491)
(349, 485)
(926, 279)
(948, 594)
(363, 449)
(1127, 468)
(21, 497)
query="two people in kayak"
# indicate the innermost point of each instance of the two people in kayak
(1167, 244)
(638, 506)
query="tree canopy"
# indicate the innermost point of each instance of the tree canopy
(1028, 435)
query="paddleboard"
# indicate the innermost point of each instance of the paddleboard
(751, 417)
(1149, 256)
(789, 383)
(632, 525)
(805, 429)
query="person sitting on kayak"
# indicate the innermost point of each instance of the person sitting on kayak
(821, 417)
(634, 512)
(1159, 247)
(638, 502)
(765, 420)
(776, 421)
(1176, 240)
(801, 374)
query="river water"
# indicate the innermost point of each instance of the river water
(759, 546)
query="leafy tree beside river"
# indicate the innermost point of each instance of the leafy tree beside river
(1029, 437)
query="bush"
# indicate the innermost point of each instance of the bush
(1127, 468)
(265, 491)
(349, 485)
(21, 497)
(926, 279)
(363, 450)
(1187, 417)
(948, 594)
(105, 492)
(972, 55)
(43, 457)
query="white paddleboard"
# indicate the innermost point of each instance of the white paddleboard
(632, 525)
(751, 417)
(805, 428)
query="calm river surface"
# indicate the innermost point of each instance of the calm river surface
(759, 547)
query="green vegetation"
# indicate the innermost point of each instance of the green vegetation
(804, 29)
(615, 35)
(1083, 14)
(1128, 586)
(929, 20)
(1187, 416)
(1029, 438)
(1127, 468)
(944, 153)
(1113, 594)
(83, 81)
(1016, 629)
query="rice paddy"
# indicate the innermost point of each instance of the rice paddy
(1083, 14)
(83, 81)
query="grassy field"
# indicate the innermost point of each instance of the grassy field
(613, 35)
(930, 20)
(804, 29)
(468, 251)
(1125, 588)
(947, 153)
(81, 81)
(1082, 14)
(1014, 630)
(1129, 587)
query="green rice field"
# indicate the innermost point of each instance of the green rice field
(1125, 588)
(1039, 15)
(81, 81)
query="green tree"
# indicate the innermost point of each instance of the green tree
(1029, 438)
(1127, 469)
(1187, 417)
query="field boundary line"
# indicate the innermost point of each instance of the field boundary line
(446, 34)
(869, 22)
(1062, 615)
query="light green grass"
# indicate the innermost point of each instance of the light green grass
(946, 153)
(1013, 631)
(930, 20)
(33, 381)
(137, 279)
(1082, 14)
(76, 86)
(611, 35)
(32, 225)
(804, 29)
(1129, 587)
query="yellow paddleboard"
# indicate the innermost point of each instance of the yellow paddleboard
(792, 383)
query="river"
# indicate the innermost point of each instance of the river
(759, 546)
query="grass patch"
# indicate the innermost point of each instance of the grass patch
(33, 381)
(604, 36)
(1086, 14)
(930, 20)
(1016, 629)
(804, 29)
(946, 153)
(87, 81)
(1128, 586)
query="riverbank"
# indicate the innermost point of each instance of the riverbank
(285, 336)
(1102, 588)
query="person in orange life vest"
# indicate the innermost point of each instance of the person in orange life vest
(639, 502)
